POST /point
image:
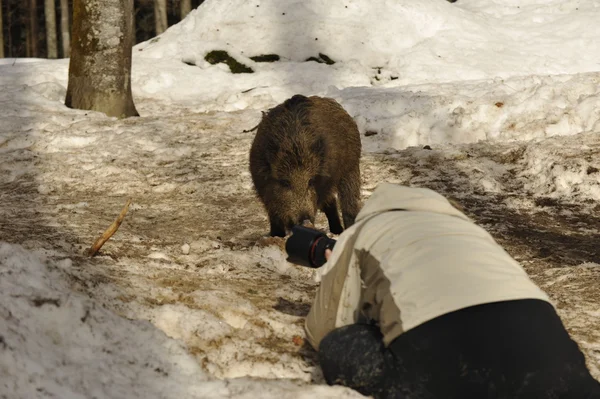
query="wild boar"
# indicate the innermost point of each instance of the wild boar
(304, 157)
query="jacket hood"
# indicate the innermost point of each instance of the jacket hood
(388, 196)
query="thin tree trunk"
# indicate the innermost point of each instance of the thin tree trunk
(185, 7)
(50, 14)
(33, 29)
(1, 33)
(64, 27)
(9, 42)
(160, 16)
(100, 64)
(10, 21)
(27, 41)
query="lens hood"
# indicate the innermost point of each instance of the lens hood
(306, 246)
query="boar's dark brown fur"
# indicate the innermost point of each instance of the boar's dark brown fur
(305, 152)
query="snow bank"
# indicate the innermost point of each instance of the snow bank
(410, 73)
(388, 43)
(520, 108)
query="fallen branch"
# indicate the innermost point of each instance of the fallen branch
(112, 229)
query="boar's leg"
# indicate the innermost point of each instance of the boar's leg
(349, 192)
(333, 217)
(277, 226)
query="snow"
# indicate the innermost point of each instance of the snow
(495, 104)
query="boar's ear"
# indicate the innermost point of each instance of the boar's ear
(261, 169)
(319, 148)
(265, 172)
(271, 150)
(297, 101)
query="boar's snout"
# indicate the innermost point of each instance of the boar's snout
(306, 218)
(301, 218)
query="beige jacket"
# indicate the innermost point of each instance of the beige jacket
(409, 258)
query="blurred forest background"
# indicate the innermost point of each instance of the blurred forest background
(42, 28)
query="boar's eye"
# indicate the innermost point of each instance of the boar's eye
(312, 182)
(285, 183)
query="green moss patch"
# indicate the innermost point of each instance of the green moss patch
(221, 56)
(265, 58)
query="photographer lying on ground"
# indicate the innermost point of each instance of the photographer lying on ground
(416, 301)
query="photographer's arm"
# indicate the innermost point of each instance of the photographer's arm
(336, 298)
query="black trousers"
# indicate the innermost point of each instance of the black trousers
(504, 350)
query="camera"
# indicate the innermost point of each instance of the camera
(306, 246)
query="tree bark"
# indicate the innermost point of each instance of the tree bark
(1, 33)
(33, 31)
(160, 16)
(50, 14)
(185, 7)
(100, 64)
(64, 28)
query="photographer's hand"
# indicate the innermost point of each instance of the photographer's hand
(327, 254)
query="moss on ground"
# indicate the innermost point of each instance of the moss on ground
(322, 59)
(265, 58)
(221, 56)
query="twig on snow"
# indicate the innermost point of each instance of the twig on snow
(112, 229)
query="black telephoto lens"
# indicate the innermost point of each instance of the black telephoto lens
(306, 247)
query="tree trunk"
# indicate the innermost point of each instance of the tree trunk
(100, 64)
(160, 16)
(134, 26)
(64, 27)
(33, 31)
(186, 7)
(9, 41)
(1, 33)
(50, 14)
